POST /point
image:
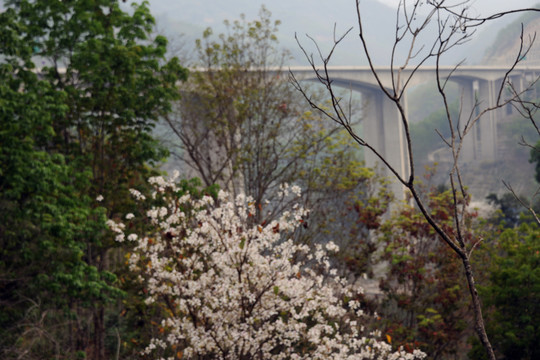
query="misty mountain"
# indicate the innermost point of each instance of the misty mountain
(301, 17)
(504, 48)
(183, 21)
(316, 19)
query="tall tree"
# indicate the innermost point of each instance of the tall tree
(512, 293)
(241, 125)
(86, 122)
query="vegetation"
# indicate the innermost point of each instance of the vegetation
(241, 125)
(283, 300)
(76, 135)
(424, 301)
(96, 262)
(513, 292)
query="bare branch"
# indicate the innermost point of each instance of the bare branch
(529, 206)
(477, 21)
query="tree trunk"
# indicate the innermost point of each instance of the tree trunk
(99, 334)
(479, 326)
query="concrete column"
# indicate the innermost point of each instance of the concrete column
(374, 132)
(486, 127)
(467, 101)
(384, 131)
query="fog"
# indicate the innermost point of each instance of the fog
(318, 18)
(482, 7)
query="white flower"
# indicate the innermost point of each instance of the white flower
(296, 190)
(257, 292)
(137, 194)
(99, 198)
(129, 216)
(331, 246)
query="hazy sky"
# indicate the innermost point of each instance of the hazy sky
(315, 17)
(484, 7)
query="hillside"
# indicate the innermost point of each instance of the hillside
(507, 43)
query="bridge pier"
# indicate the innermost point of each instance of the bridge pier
(480, 143)
(384, 131)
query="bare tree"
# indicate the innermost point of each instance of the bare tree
(427, 39)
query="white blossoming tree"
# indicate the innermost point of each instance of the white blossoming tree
(234, 289)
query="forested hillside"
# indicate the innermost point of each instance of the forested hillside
(507, 41)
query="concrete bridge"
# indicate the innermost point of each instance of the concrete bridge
(382, 126)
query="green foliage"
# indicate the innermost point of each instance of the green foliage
(43, 211)
(425, 302)
(513, 293)
(236, 122)
(76, 128)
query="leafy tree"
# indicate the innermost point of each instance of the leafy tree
(241, 105)
(423, 303)
(42, 208)
(253, 133)
(513, 293)
(79, 131)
